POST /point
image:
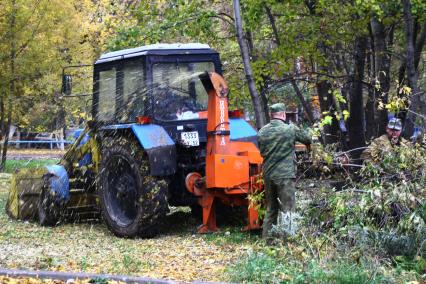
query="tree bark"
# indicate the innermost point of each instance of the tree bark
(371, 128)
(2, 116)
(273, 25)
(417, 54)
(12, 84)
(382, 71)
(415, 101)
(257, 105)
(306, 105)
(356, 118)
(264, 86)
(419, 46)
(326, 104)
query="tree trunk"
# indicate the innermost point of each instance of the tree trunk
(370, 107)
(356, 118)
(273, 25)
(419, 46)
(264, 99)
(6, 137)
(326, 104)
(306, 106)
(264, 86)
(382, 71)
(2, 118)
(415, 101)
(12, 84)
(2, 114)
(257, 105)
(417, 54)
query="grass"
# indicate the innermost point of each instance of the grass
(262, 268)
(13, 165)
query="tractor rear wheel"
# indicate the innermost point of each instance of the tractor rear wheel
(132, 201)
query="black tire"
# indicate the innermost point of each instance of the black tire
(48, 209)
(132, 201)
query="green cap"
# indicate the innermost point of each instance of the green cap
(395, 123)
(279, 107)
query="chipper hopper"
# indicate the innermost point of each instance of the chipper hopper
(161, 135)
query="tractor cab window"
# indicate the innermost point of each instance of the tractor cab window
(132, 95)
(178, 91)
(106, 96)
(121, 92)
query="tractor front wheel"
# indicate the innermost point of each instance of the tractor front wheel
(132, 201)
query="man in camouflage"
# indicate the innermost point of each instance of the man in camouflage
(386, 142)
(276, 143)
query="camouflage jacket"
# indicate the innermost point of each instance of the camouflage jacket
(276, 143)
(379, 146)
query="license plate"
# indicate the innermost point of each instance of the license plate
(190, 138)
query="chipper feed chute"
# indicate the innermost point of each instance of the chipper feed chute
(232, 168)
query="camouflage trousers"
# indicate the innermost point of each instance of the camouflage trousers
(280, 197)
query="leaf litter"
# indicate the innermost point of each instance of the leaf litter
(178, 253)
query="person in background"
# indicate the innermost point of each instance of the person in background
(392, 138)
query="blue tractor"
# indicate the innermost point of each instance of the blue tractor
(147, 134)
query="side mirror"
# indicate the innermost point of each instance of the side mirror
(66, 84)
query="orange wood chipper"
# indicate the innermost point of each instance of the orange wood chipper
(232, 167)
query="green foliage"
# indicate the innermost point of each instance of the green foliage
(13, 165)
(326, 120)
(339, 97)
(418, 264)
(386, 205)
(258, 268)
(323, 159)
(262, 267)
(44, 37)
(131, 264)
(257, 200)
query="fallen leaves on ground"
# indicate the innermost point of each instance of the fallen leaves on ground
(29, 280)
(178, 253)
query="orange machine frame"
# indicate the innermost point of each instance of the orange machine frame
(232, 168)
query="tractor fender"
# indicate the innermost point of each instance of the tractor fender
(59, 182)
(159, 146)
(241, 130)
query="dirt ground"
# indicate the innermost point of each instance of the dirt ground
(178, 253)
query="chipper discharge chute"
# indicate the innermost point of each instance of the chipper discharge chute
(233, 168)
